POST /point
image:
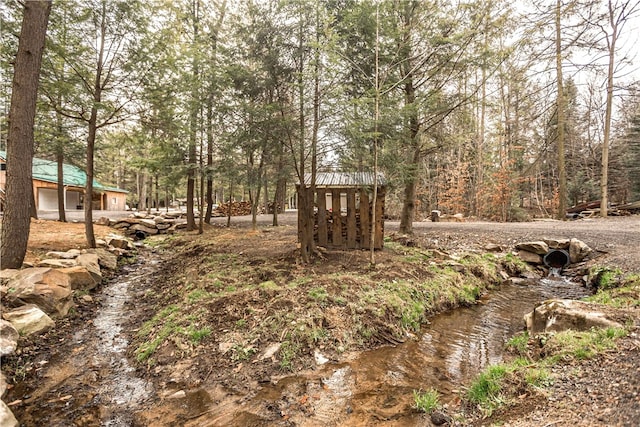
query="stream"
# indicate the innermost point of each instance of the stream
(95, 384)
(378, 385)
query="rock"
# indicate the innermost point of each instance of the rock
(438, 418)
(319, 358)
(120, 243)
(223, 347)
(537, 247)
(144, 228)
(558, 315)
(3, 384)
(7, 419)
(7, 273)
(530, 257)
(48, 288)
(492, 247)
(103, 220)
(80, 278)
(56, 263)
(63, 255)
(181, 394)
(271, 351)
(100, 242)
(90, 261)
(148, 223)
(578, 250)
(163, 226)
(557, 243)
(519, 281)
(28, 319)
(87, 299)
(8, 338)
(105, 258)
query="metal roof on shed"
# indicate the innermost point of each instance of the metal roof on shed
(346, 179)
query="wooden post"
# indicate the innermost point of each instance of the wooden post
(365, 219)
(322, 217)
(351, 219)
(337, 219)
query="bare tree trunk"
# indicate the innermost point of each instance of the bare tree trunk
(229, 208)
(207, 217)
(411, 179)
(191, 173)
(623, 14)
(562, 185)
(16, 220)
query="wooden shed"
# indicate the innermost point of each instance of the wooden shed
(343, 209)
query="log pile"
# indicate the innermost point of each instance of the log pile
(590, 209)
(237, 209)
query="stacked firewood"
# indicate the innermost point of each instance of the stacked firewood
(237, 209)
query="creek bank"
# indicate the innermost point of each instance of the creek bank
(37, 299)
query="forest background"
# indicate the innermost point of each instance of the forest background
(477, 107)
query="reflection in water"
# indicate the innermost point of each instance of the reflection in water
(378, 385)
(458, 344)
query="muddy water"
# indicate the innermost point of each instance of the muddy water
(121, 391)
(89, 381)
(377, 386)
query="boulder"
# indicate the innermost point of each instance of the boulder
(145, 229)
(7, 419)
(148, 223)
(492, 247)
(48, 288)
(557, 243)
(90, 261)
(537, 247)
(530, 257)
(7, 273)
(8, 338)
(3, 384)
(72, 254)
(56, 263)
(103, 220)
(578, 250)
(163, 226)
(121, 225)
(558, 315)
(120, 243)
(80, 278)
(105, 258)
(28, 319)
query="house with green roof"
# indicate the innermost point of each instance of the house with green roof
(45, 187)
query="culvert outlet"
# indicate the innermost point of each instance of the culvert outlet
(556, 258)
(140, 235)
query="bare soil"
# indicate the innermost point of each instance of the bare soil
(575, 398)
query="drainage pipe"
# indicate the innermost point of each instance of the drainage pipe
(557, 258)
